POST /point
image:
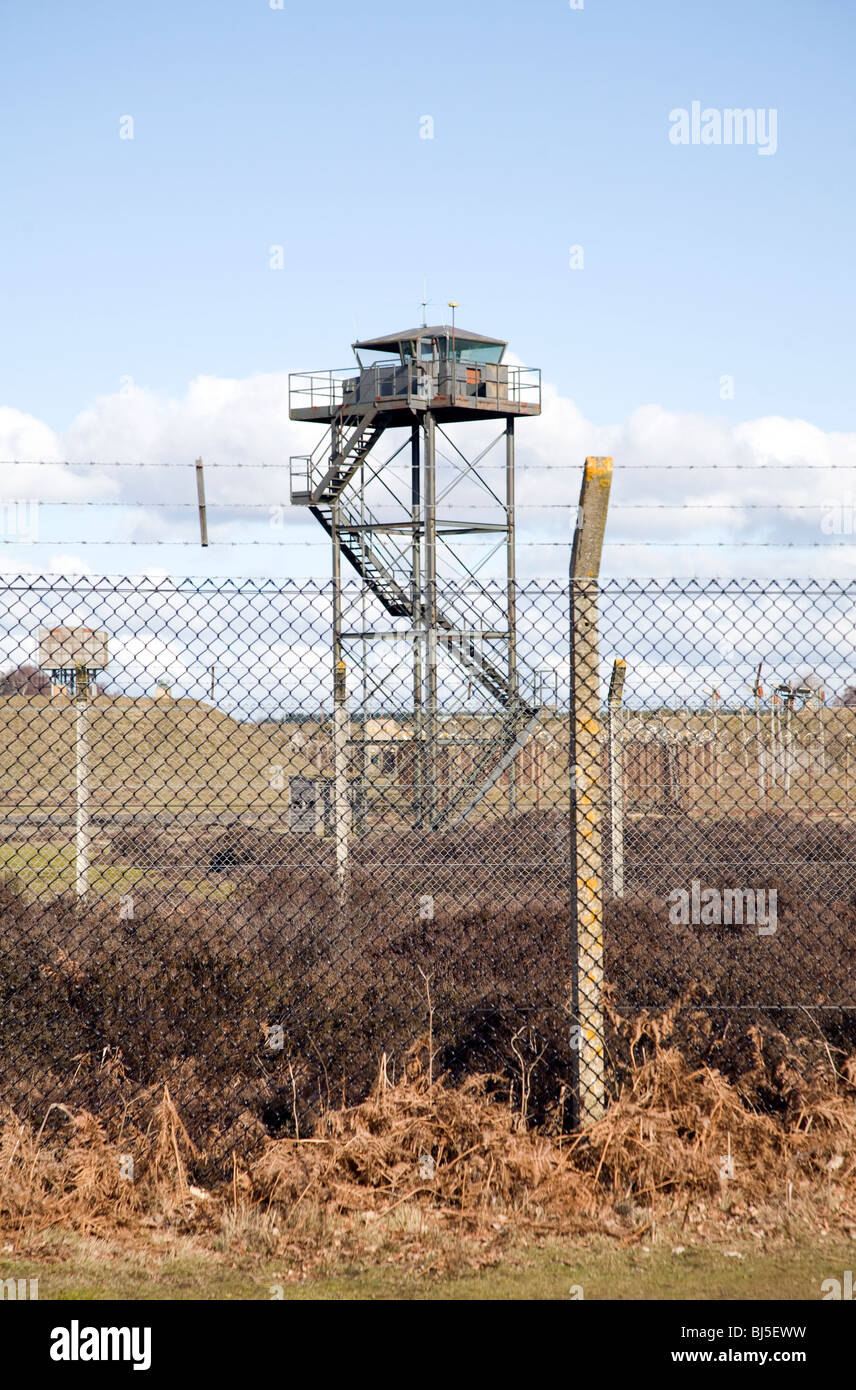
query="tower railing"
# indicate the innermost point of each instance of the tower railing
(381, 383)
(321, 391)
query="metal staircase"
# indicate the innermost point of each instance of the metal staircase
(324, 474)
(377, 562)
(379, 565)
(478, 667)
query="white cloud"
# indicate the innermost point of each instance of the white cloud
(24, 437)
(68, 564)
(219, 419)
(28, 448)
(699, 510)
(145, 658)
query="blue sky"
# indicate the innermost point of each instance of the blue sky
(147, 260)
(300, 127)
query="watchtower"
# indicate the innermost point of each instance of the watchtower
(75, 657)
(416, 558)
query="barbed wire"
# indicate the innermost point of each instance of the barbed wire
(458, 506)
(563, 545)
(569, 507)
(522, 467)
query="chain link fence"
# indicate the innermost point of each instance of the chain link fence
(204, 887)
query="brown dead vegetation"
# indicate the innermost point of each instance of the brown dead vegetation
(446, 1174)
(423, 1074)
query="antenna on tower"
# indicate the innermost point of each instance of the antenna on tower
(425, 303)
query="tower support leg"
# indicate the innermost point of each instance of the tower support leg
(341, 721)
(511, 606)
(431, 712)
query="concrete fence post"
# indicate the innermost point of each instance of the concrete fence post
(588, 787)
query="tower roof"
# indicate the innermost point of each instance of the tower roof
(390, 341)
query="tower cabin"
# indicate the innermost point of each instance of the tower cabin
(442, 371)
(450, 371)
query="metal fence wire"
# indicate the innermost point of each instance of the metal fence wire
(232, 868)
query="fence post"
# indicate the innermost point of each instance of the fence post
(587, 788)
(81, 779)
(760, 767)
(341, 803)
(616, 778)
(200, 498)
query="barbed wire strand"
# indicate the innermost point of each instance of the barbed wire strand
(459, 506)
(562, 545)
(522, 467)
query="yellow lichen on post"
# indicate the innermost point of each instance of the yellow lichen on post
(589, 795)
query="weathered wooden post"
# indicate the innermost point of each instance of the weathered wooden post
(616, 778)
(587, 789)
(200, 499)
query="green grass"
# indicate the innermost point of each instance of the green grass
(45, 867)
(47, 870)
(602, 1272)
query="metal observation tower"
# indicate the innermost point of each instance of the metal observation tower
(412, 553)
